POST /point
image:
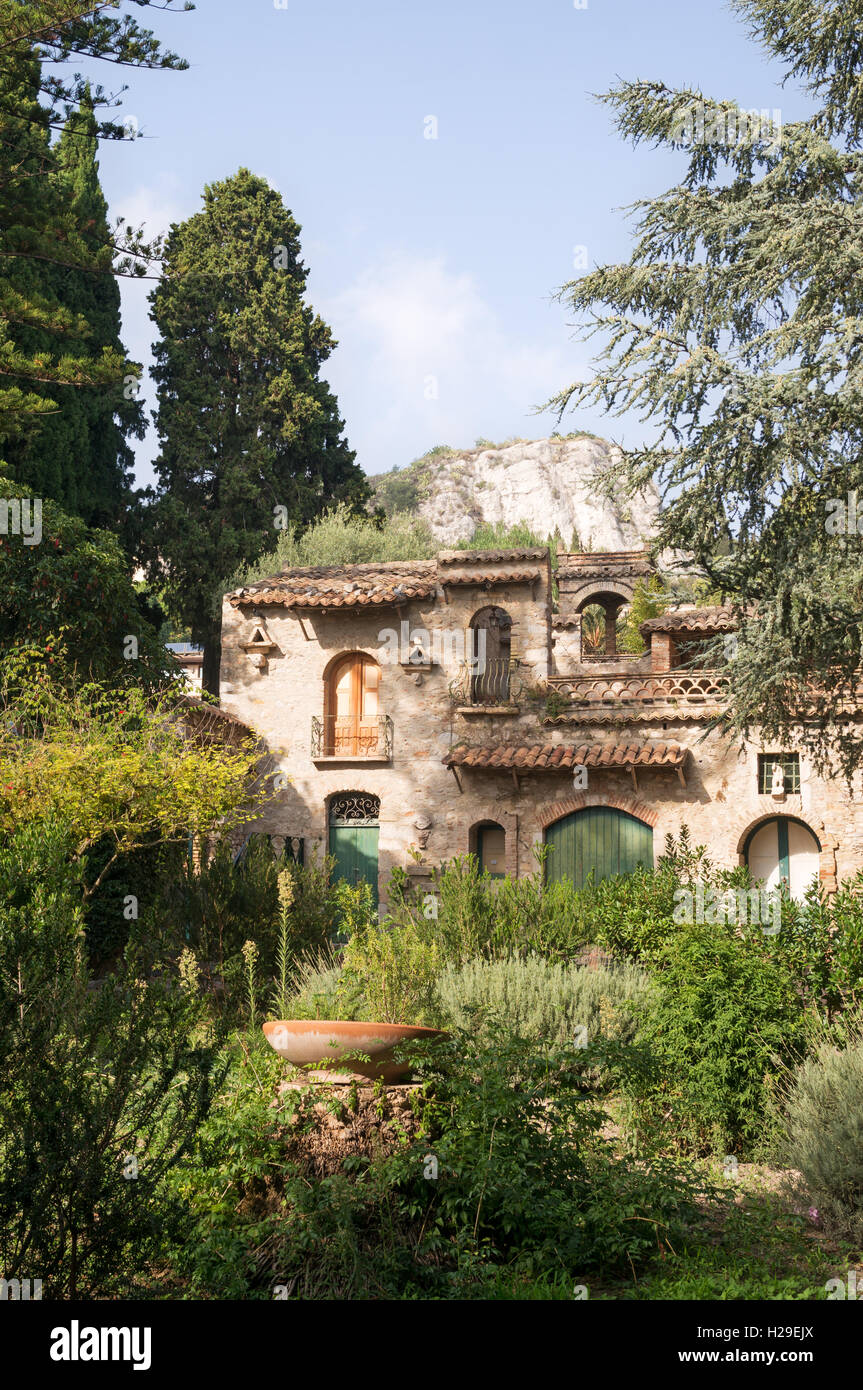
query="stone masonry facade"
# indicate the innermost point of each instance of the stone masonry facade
(553, 731)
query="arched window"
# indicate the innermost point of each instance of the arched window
(351, 713)
(783, 850)
(491, 632)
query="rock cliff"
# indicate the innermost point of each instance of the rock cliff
(543, 483)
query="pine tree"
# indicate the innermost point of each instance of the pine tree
(736, 332)
(247, 426)
(79, 455)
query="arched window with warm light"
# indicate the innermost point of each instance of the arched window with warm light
(351, 707)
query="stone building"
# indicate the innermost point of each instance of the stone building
(418, 710)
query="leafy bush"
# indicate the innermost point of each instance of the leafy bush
(68, 605)
(631, 915)
(393, 967)
(103, 1086)
(522, 1182)
(542, 1000)
(823, 1139)
(720, 1020)
(821, 938)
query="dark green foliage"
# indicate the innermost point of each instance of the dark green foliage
(524, 1183)
(735, 332)
(57, 251)
(132, 891)
(79, 456)
(724, 1015)
(246, 423)
(68, 604)
(99, 1083)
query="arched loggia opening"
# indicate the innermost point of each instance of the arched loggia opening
(599, 613)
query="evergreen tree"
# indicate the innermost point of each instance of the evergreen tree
(736, 331)
(247, 426)
(41, 234)
(78, 455)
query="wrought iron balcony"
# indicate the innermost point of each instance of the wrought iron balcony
(487, 683)
(350, 739)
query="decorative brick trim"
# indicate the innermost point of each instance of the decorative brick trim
(743, 826)
(558, 809)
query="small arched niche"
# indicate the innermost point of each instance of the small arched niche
(488, 843)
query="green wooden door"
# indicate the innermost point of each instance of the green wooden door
(355, 848)
(599, 840)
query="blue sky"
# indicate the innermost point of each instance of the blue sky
(430, 258)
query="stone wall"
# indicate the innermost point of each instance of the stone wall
(279, 696)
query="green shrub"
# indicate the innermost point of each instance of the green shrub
(322, 991)
(632, 915)
(822, 940)
(823, 1139)
(539, 999)
(509, 1175)
(393, 967)
(103, 1086)
(722, 1017)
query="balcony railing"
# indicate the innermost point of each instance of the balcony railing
(488, 683)
(673, 687)
(335, 736)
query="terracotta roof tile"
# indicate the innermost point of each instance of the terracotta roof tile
(706, 620)
(549, 757)
(343, 586)
(468, 577)
(484, 557)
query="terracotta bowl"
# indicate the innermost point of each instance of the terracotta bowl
(317, 1041)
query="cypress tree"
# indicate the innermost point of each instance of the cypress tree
(46, 346)
(78, 455)
(247, 426)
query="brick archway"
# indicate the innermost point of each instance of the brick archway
(556, 810)
(744, 826)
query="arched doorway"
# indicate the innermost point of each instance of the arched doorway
(489, 845)
(351, 723)
(783, 850)
(491, 656)
(354, 826)
(599, 840)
